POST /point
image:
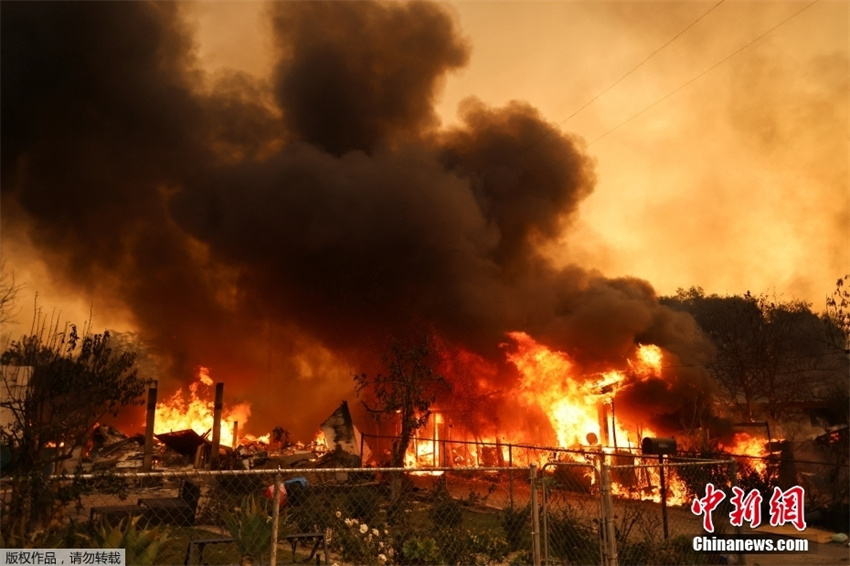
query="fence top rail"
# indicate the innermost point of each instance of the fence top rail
(268, 472)
(572, 464)
(672, 464)
(587, 450)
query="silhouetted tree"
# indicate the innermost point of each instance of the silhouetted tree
(407, 391)
(766, 350)
(55, 387)
(9, 289)
(838, 315)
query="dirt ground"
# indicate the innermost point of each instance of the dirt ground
(824, 553)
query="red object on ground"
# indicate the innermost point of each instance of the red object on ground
(281, 494)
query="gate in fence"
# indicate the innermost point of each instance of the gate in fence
(574, 529)
(609, 510)
(624, 509)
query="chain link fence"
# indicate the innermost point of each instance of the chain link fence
(584, 508)
(623, 508)
(651, 507)
(573, 521)
(322, 516)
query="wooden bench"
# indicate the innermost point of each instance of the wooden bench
(200, 544)
(193, 557)
(112, 515)
(317, 538)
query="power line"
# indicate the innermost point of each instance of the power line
(671, 93)
(639, 65)
(622, 78)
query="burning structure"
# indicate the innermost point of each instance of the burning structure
(282, 231)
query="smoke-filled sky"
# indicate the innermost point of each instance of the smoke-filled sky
(273, 190)
(737, 181)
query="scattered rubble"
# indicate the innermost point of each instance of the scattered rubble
(339, 445)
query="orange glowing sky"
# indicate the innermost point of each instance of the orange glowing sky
(736, 181)
(721, 158)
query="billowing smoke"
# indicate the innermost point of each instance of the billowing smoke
(246, 223)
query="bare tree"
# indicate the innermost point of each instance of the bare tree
(407, 391)
(838, 314)
(9, 290)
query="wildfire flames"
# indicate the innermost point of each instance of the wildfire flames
(746, 444)
(579, 407)
(320, 442)
(575, 404)
(581, 410)
(195, 411)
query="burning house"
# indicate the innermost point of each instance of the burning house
(284, 231)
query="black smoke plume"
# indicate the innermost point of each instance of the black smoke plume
(325, 210)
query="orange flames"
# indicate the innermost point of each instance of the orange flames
(196, 411)
(648, 360)
(579, 408)
(576, 404)
(426, 451)
(745, 444)
(320, 443)
(546, 384)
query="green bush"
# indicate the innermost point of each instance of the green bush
(227, 494)
(361, 543)
(420, 552)
(677, 550)
(573, 540)
(446, 512)
(454, 550)
(141, 545)
(251, 528)
(489, 547)
(362, 503)
(462, 547)
(516, 523)
(313, 511)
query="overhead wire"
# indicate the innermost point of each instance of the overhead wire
(626, 75)
(703, 73)
(639, 65)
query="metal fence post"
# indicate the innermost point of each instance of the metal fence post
(511, 473)
(663, 495)
(147, 461)
(733, 480)
(275, 518)
(535, 518)
(545, 518)
(609, 533)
